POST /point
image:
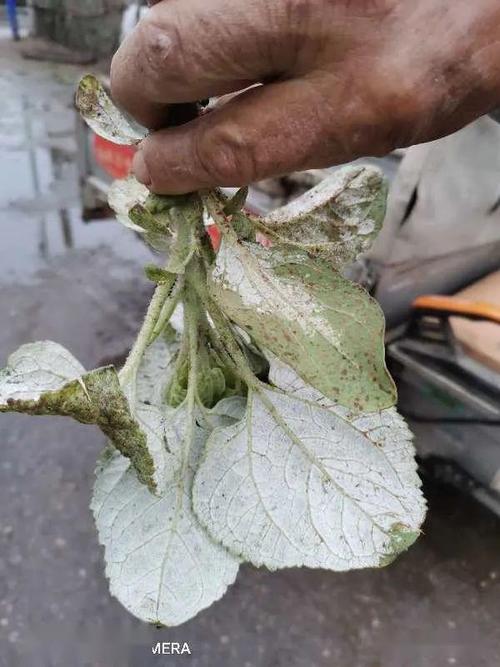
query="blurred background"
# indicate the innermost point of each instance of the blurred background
(69, 273)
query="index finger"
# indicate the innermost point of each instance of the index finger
(187, 50)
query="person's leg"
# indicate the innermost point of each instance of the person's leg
(12, 16)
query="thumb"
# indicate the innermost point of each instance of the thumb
(264, 132)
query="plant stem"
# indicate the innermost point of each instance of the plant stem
(191, 332)
(129, 371)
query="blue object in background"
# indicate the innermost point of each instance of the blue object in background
(12, 16)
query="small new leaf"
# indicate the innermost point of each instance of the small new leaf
(237, 202)
(103, 117)
(157, 275)
(123, 195)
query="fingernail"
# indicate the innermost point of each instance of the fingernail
(140, 169)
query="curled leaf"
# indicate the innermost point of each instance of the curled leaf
(327, 328)
(297, 483)
(45, 379)
(123, 195)
(103, 117)
(339, 218)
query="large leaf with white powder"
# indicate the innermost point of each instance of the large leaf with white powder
(162, 564)
(327, 328)
(299, 483)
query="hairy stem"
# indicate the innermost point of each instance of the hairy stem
(191, 331)
(129, 371)
(215, 207)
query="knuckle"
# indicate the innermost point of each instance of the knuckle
(225, 157)
(156, 47)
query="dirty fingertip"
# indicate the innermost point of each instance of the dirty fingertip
(140, 169)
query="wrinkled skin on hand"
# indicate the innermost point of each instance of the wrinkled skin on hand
(342, 79)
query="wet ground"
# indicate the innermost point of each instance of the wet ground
(82, 285)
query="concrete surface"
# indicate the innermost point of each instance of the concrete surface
(82, 286)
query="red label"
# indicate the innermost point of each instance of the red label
(116, 160)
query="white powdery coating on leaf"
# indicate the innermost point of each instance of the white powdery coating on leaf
(155, 371)
(149, 410)
(343, 213)
(103, 117)
(36, 368)
(162, 565)
(123, 195)
(310, 488)
(346, 182)
(250, 274)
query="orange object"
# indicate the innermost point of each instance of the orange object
(474, 317)
(452, 305)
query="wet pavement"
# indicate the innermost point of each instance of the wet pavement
(82, 285)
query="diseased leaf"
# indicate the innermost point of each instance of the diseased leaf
(34, 369)
(338, 219)
(123, 195)
(45, 379)
(129, 199)
(296, 483)
(162, 565)
(327, 328)
(103, 117)
(155, 371)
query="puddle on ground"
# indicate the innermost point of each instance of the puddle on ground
(40, 206)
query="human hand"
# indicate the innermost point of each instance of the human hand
(342, 79)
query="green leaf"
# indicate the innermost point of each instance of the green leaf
(162, 565)
(338, 219)
(45, 379)
(300, 483)
(157, 275)
(237, 202)
(103, 117)
(327, 328)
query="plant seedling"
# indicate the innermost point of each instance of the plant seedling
(264, 429)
